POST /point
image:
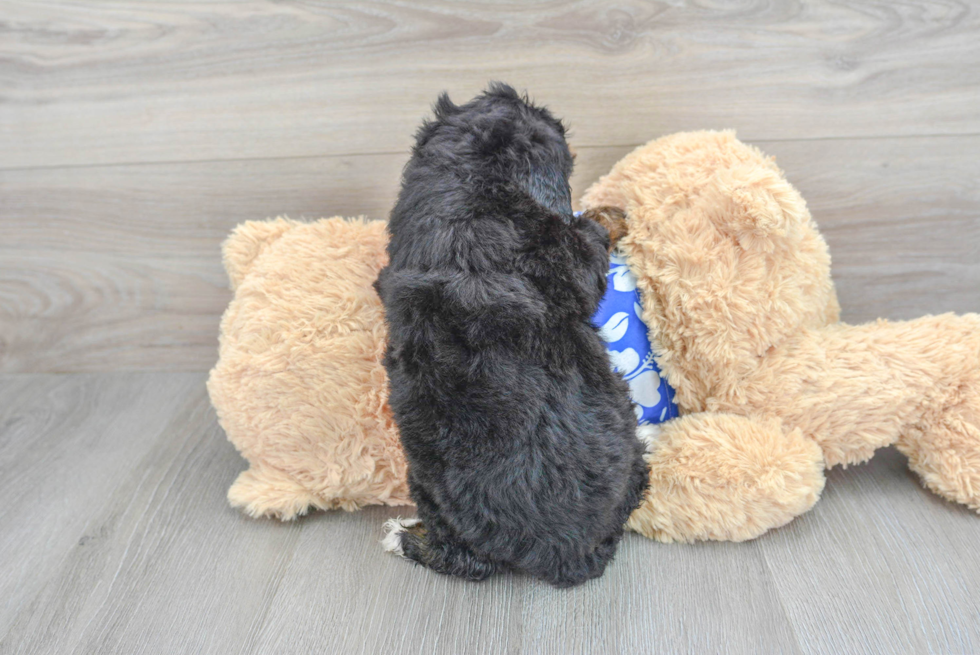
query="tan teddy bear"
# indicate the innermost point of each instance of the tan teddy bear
(299, 387)
(735, 280)
(737, 295)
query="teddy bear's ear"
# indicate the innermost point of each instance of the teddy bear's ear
(246, 242)
(759, 207)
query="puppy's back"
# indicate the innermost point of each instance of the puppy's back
(520, 439)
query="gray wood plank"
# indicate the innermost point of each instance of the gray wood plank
(65, 442)
(657, 598)
(118, 267)
(653, 598)
(901, 219)
(121, 541)
(185, 209)
(880, 565)
(83, 311)
(175, 81)
(163, 564)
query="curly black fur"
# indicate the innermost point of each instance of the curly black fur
(520, 438)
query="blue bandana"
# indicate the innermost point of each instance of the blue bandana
(628, 344)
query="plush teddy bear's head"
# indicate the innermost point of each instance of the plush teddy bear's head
(727, 257)
(299, 386)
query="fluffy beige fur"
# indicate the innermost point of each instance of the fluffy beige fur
(299, 387)
(738, 295)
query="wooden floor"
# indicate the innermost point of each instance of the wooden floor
(117, 539)
(135, 134)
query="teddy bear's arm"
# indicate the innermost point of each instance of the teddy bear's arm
(716, 476)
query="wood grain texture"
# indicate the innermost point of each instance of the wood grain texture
(121, 541)
(118, 267)
(881, 566)
(124, 81)
(87, 311)
(156, 561)
(901, 217)
(654, 598)
(135, 135)
(65, 442)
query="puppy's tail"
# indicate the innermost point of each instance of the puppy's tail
(408, 538)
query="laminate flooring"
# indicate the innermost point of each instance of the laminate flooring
(117, 539)
(135, 135)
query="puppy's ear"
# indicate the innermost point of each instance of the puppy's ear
(503, 90)
(444, 107)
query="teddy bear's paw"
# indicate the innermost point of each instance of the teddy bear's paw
(946, 456)
(726, 478)
(265, 492)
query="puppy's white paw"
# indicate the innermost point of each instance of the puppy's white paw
(392, 541)
(648, 434)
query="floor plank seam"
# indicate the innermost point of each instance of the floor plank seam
(406, 151)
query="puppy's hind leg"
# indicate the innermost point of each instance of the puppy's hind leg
(398, 529)
(408, 538)
(569, 571)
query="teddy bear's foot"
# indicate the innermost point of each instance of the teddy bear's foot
(946, 455)
(267, 492)
(726, 478)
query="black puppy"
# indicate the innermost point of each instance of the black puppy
(520, 438)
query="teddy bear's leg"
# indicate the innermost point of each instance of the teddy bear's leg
(725, 477)
(265, 491)
(945, 450)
